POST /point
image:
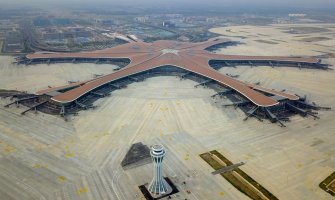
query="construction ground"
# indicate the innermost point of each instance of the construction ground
(44, 157)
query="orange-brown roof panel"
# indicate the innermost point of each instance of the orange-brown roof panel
(189, 56)
(175, 60)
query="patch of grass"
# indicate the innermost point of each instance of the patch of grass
(315, 39)
(328, 185)
(232, 177)
(82, 190)
(266, 42)
(6, 91)
(1, 46)
(61, 178)
(305, 30)
(214, 164)
(241, 186)
(246, 176)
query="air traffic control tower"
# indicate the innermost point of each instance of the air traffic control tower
(158, 185)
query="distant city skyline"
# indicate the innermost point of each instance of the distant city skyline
(192, 3)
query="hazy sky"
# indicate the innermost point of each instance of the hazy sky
(254, 3)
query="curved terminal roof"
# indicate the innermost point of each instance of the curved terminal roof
(189, 56)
